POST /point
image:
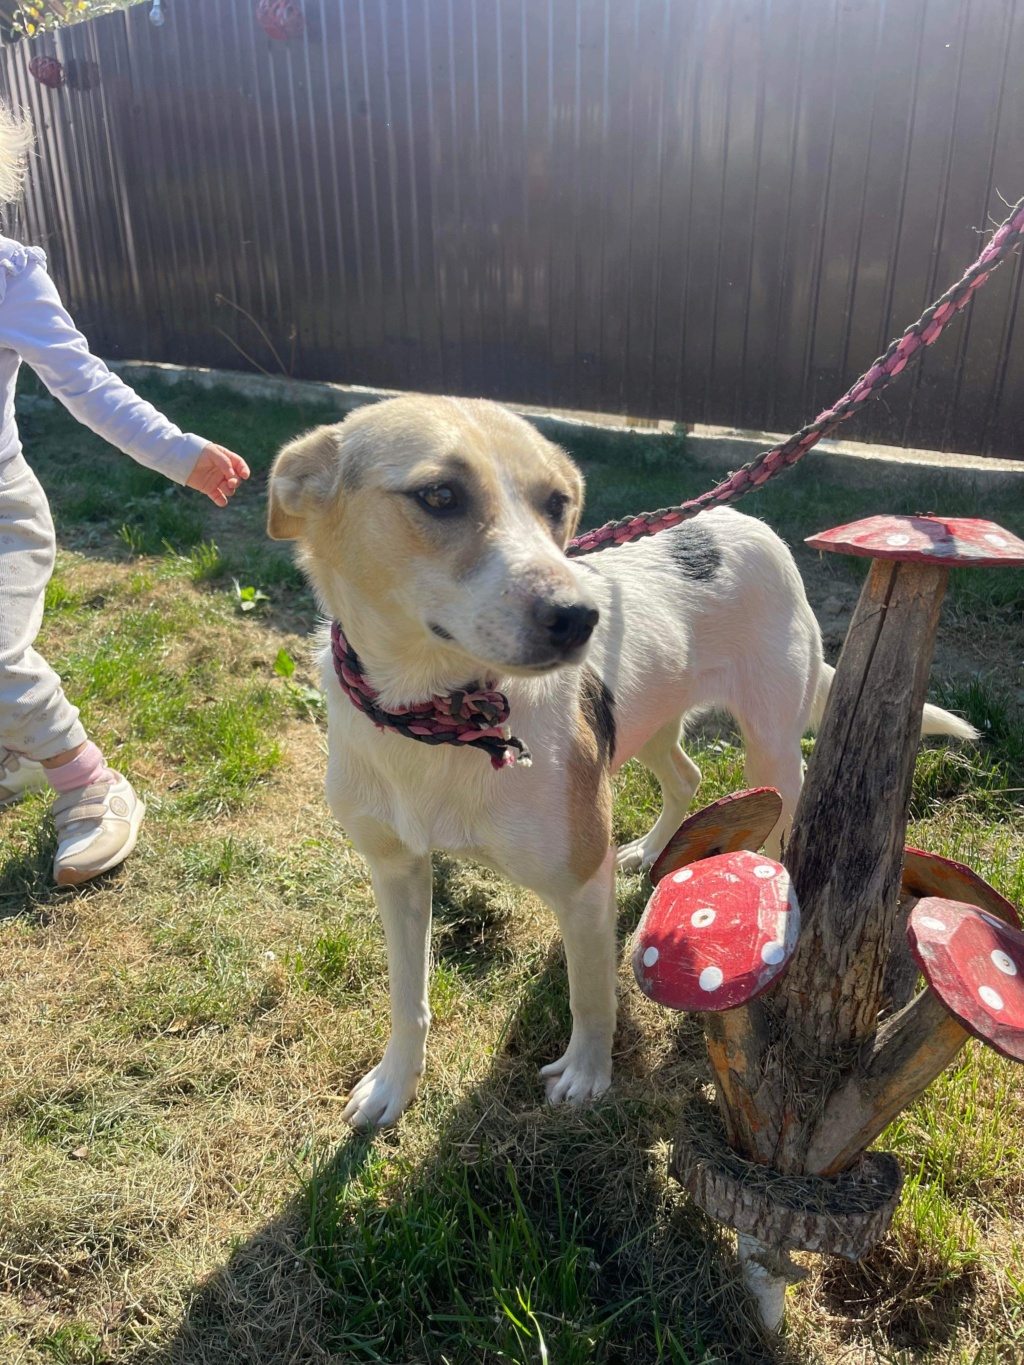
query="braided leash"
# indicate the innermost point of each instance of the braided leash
(771, 462)
(470, 715)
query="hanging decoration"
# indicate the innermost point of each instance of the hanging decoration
(156, 14)
(47, 71)
(281, 19)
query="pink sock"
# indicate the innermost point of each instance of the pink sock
(88, 768)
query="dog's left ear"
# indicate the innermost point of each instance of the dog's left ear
(305, 474)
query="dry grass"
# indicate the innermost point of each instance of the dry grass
(176, 1184)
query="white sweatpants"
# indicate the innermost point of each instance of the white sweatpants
(35, 716)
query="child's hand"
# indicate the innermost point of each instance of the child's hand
(217, 473)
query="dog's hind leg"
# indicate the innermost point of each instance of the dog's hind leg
(784, 770)
(402, 884)
(679, 778)
(586, 918)
(775, 761)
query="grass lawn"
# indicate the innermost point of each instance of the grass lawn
(176, 1184)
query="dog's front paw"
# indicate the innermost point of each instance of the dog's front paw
(377, 1100)
(581, 1074)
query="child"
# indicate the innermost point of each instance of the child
(42, 741)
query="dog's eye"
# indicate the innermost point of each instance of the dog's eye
(438, 498)
(556, 505)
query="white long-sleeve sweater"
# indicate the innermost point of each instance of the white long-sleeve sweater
(35, 327)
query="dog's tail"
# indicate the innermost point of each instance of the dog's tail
(935, 721)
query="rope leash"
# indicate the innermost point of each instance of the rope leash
(885, 369)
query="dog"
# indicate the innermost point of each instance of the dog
(434, 531)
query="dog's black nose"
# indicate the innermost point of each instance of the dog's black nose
(567, 627)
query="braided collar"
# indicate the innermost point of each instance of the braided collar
(470, 715)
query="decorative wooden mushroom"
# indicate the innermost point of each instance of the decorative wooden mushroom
(742, 820)
(924, 540)
(808, 1074)
(928, 874)
(974, 963)
(717, 933)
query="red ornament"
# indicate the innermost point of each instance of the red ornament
(717, 933)
(924, 540)
(281, 19)
(47, 71)
(975, 965)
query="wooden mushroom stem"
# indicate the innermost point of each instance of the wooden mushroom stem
(901, 971)
(910, 1050)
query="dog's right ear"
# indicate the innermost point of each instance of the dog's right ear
(304, 474)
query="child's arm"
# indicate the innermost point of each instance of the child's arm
(34, 323)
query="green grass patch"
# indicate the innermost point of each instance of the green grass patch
(471, 1261)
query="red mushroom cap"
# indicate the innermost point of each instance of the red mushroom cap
(717, 933)
(925, 540)
(928, 874)
(974, 963)
(742, 820)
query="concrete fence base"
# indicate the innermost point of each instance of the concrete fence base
(850, 464)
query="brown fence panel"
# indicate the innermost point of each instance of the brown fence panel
(708, 210)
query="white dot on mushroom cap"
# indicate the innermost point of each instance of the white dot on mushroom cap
(997, 541)
(1004, 962)
(683, 876)
(710, 978)
(651, 956)
(897, 540)
(772, 953)
(991, 998)
(930, 922)
(764, 871)
(700, 919)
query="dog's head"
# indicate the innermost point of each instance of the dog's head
(451, 515)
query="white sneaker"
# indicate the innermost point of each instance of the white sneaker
(19, 776)
(97, 827)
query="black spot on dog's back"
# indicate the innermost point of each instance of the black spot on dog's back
(598, 707)
(694, 551)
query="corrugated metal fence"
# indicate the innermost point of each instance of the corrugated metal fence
(709, 210)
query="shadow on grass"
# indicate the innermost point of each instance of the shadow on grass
(526, 1234)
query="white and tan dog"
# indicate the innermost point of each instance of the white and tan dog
(433, 529)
